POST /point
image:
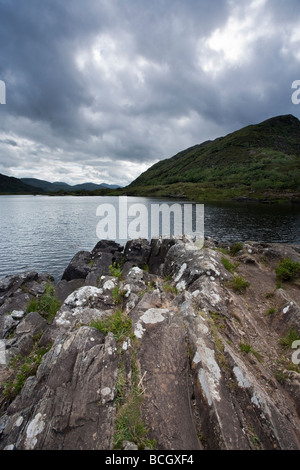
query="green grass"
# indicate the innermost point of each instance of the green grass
(168, 287)
(23, 367)
(228, 265)
(118, 294)
(221, 250)
(238, 284)
(246, 349)
(129, 424)
(270, 311)
(287, 340)
(115, 270)
(218, 319)
(47, 303)
(118, 323)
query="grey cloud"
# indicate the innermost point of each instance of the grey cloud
(11, 142)
(106, 85)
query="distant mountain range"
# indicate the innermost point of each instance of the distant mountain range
(11, 185)
(56, 186)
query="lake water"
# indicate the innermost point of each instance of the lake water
(43, 233)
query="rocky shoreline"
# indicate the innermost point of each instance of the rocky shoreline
(160, 345)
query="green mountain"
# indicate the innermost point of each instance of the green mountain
(10, 185)
(259, 161)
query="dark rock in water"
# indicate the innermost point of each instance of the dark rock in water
(10, 284)
(106, 246)
(100, 267)
(137, 252)
(89, 266)
(172, 346)
(159, 250)
(79, 266)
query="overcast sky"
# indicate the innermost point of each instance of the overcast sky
(99, 90)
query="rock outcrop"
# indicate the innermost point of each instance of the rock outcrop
(163, 345)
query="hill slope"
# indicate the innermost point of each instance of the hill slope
(11, 185)
(258, 159)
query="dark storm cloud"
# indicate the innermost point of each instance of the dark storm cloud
(102, 89)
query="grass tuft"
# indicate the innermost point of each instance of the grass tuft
(48, 303)
(238, 284)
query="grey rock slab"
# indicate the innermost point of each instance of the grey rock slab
(69, 404)
(164, 366)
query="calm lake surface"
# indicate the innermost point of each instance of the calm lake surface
(43, 233)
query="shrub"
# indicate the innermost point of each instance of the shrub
(115, 270)
(235, 248)
(287, 270)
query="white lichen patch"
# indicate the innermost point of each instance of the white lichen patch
(204, 385)
(81, 296)
(151, 316)
(256, 400)
(136, 271)
(61, 318)
(241, 380)
(197, 358)
(196, 293)
(17, 314)
(109, 285)
(180, 273)
(19, 421)
(209, 374)
(215, 298)
(127, 290)
(2, 353)
(181, 286)
(139, 330)
(154, 315)
(34, 428)
(107, 395)
(201, 327)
